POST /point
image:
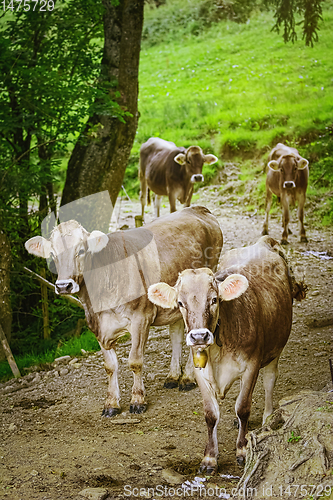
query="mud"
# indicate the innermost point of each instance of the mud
(55, 443)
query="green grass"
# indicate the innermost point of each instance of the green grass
(236, 90)
(71, 347)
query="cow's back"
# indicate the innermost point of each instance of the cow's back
(257, 323)
(181, 238)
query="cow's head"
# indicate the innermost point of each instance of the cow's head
(68, 247)
(197, 294)
(288, 165)
(193, 160)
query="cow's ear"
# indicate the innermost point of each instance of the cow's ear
(97, 241)
(233, 286)
(273, 165)
(210, 159)
(180, 158)
(302, 163)
(163, 295)
(38, 246)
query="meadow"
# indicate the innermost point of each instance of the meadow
(236, 90)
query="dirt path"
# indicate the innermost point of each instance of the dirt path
(54, 442)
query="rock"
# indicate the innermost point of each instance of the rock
(63, 371)
(9, 388)
(172, 477)
(72, 361)
(12, 427)
(36, 379)
(94, 493)
(76, 365)
(315, 293)
(83, 351)
(62, 360)
(318, 354)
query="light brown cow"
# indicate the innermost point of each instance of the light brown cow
(237, 322)
(170, 171)
(287, 178)
(111, 275)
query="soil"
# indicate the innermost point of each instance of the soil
(55, 443)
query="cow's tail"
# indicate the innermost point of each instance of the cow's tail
(148, 196)
(298, 290)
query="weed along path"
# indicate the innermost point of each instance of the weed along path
(54, 444)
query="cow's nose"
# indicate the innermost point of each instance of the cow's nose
(197, 178)
(64, 286)
(202, 336)
(289, 184)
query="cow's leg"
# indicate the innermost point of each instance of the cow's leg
(285, 220)
(268, 205)
(243, 409)
(139, 334)
(301, 202)
(157, 202)
(187, 382)
(270, 374)
(212, 416)
(189, 197)
(143, 193)
(111, 406)
(176, 331)
(172, 201)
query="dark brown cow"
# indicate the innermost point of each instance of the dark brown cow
(238, 321)
(170, 171)
(287, 178)
(111, 274)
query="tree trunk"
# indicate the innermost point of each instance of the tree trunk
(100, 156)
(5, 306)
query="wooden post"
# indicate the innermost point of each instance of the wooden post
(9, 355)
(45, 307)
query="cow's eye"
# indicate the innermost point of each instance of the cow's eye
(81, 252)
(180, 304)
(214, 300)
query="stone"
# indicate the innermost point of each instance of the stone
(172, 477)
(12, 427)
(62, 360)
(9, 388)
(76, 365)
(94, 493)
(63, 371)
(36, 379)
(72, 361)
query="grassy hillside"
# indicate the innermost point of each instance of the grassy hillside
(236, 90)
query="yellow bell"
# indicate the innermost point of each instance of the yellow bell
(200, 358)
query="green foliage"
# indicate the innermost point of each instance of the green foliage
(294, 438)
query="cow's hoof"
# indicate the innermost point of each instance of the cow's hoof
(111, 412)
(187, 386)
(304, 239)
(138, 408)
(209, 470)
(171, 384)
(264, 232)
(241, 461)
(284, 242)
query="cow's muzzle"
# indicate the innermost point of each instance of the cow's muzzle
(197, 178)
(200, 337)
(289, 184)
(63, 287)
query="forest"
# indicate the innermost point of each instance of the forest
(234, 78)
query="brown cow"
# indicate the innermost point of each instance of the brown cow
(287, 178)
(237, 322)
(170, 171)
(111, 274)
